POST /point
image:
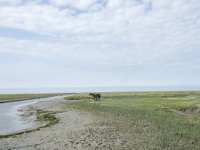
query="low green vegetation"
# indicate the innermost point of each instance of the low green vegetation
(153, 120)
(18, 97)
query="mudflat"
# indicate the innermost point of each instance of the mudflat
(58, 136)
(75, 130)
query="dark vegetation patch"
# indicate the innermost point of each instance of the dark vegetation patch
(190, 110)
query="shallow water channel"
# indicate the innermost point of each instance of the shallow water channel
(10, 120)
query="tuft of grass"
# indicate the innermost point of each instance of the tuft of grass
(82, 96)
(157, 118)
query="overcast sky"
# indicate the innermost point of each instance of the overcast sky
(80, 43)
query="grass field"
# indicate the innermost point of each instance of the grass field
(153, 120)
(18, 97)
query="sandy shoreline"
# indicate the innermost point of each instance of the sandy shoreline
(76, 130)
(53, 137)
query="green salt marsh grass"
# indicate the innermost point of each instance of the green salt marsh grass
(18, 97)
(161, 120)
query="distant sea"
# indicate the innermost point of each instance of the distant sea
(98, 89)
